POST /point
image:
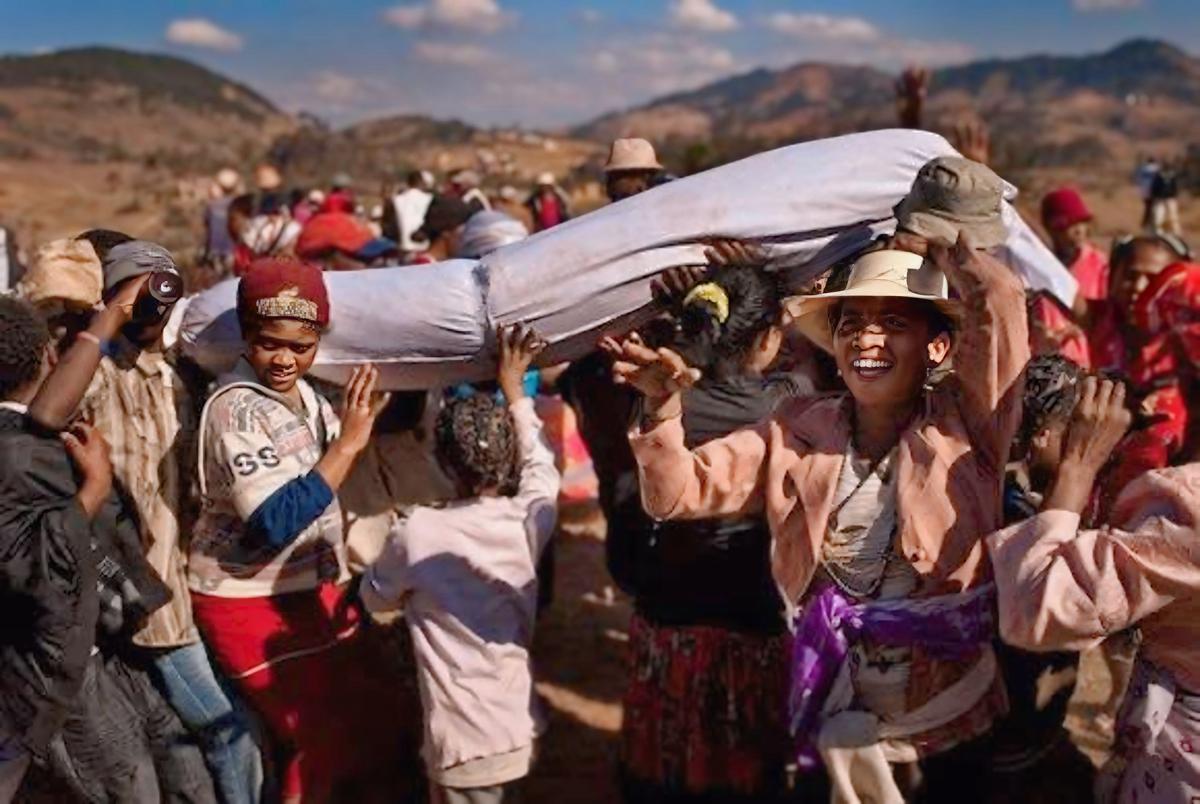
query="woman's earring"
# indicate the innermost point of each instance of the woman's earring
(928, 386)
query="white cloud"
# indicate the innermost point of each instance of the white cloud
(702, 15)
(660, 63)
(480, 16)
(1106, 5)
(590, 16)
(336, 88)
(822, 26)
(453, 53)
(199, 32)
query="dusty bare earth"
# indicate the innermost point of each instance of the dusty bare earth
(580, 652)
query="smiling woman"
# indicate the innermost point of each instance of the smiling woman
(877, 500)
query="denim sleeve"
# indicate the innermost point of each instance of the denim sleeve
(291, 508)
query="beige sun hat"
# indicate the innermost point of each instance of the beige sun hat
(66, 272)
(267, 177)
(892, 274)
(951, 195)
(631, 153)
(546, 180)
(228, 179)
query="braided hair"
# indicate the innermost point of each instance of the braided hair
(23, 339)
(722, 317)
(1052, 388)
(477, 441)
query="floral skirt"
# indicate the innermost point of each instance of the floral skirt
(705, 710)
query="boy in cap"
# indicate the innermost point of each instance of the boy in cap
(267, 564)
(142, 405)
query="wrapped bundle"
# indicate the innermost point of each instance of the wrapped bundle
(811, 205)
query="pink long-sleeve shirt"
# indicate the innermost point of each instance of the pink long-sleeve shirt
(1061, 587)
(950, 462)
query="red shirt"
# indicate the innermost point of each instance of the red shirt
(549, 211)
(1090, 270)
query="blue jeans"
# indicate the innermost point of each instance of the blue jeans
(209, 711)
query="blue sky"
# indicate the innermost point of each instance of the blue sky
(539, 62)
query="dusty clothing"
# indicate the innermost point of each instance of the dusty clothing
(465, 576)
(253, 446)
(144, 410)
(949, 464)
(1061, 587)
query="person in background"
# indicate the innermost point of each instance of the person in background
(1143, 178)
(464, 577)
(631, 168)
(218, 246)
(442, 229)
(1067, 219)
(338, 241)
(705, 701)
(405, 215)
(255, 235)
(268, 185)
(1164, 201)
(341, 195)
(267, 563)
(1062, 585)
(141, 405)
(465, 185)
(548, 204)
(306, 204)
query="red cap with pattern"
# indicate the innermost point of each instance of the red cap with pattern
(284, 288)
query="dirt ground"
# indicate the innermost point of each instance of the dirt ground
(580, 654)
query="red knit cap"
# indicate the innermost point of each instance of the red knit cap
(1063, 208)
(275, 287)
(332, 230)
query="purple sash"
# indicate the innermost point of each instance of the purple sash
(949, 627)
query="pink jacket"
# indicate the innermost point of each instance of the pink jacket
(950, 461)
(1065, 588)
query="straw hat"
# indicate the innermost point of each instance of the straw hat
(546, 180)
(631, 154)
(892, 274)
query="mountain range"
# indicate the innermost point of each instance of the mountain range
(100, 134)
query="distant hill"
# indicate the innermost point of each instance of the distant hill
(103, 104)
(1044, 111)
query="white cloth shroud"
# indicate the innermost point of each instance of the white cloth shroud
(810, 205)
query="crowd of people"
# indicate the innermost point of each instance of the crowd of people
(867, 525)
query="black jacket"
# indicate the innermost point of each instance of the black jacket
(57, 569)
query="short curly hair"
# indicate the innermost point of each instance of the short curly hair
(23, 339)
(1052, 387)
(477, 441)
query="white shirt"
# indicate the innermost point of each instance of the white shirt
(411, 206)
(466, 577)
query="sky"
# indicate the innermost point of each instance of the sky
(556, 62)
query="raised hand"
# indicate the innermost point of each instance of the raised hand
(911, 89)
(88, 450)
(724, 251)
(972, 140)
(658, 374)
(673, 284)
(1098, 424)
(519, 347)
(361, 408)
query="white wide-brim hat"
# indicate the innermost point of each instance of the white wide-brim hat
(631, 153)
(890, 274)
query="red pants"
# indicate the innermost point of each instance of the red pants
(326, 689)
